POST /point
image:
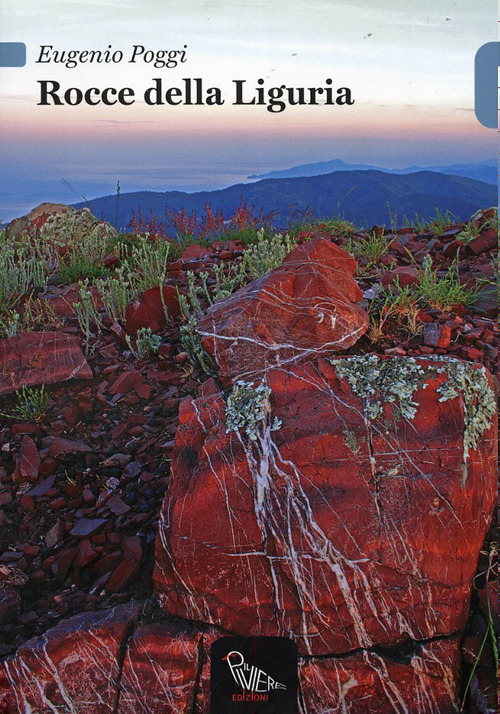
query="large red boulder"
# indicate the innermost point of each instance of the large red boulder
(343, 504)
(308, 306)
(40, 358)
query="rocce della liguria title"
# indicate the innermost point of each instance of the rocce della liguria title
(189, 91)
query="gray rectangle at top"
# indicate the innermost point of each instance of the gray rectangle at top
(12, 54)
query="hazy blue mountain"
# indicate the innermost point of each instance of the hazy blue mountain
(486, 171)
(363, 197)
(318, 169)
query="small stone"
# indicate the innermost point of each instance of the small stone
(126, 573)
(63, 563)
(5, 497)
(436, 335)
(54, 535)
(487, 241)
(131, 471)
(112, 483)
(86, 554)
(107, 563)
(29, 460)
(87, 526)
(132, 548)
(117, 506)
(143, 390)
(196, 252)
(116, 460)
(125, 382)
(42, 488)
(405, 275)
(395, 351)
(60, 447)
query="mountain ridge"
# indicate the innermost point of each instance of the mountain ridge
(364, 197)
(486, 171)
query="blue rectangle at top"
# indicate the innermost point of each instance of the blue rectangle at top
(12, 54)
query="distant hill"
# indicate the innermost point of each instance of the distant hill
(363, 197)
(486, 171)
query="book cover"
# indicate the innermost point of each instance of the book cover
(248, 346)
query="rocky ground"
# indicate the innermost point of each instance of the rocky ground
(81, 487)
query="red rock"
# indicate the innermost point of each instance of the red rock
(486, 303)
(33, 358)
(62, 305)
(453, 249)
(49, 466)
(422, 682)
(395, 351)
(161, 669)
(25, 429)
(30, 550)
(424, 317)
(305, 307)
(75, 666)
(28, 503)
(125, 574)
(405, 275)
(196, 252)
(471, 353)
(143, 390)
(54, 535)
(436, 335)
(107, 563)
(473, 335)
(63, 563)
(59, 447)
(485, 242)
(28, 462)
(298, 520)
(117, 506)
(126, 382)
(86, 554)
(132, 548)
(149, 311)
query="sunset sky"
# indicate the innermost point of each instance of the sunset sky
(410, 67)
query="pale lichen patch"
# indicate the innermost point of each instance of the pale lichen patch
(352, 441)
(377, 381)
(248, 408)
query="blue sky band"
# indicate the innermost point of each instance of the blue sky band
(486, 84)
(12, 54)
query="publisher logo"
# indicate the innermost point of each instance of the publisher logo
(254, 675)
